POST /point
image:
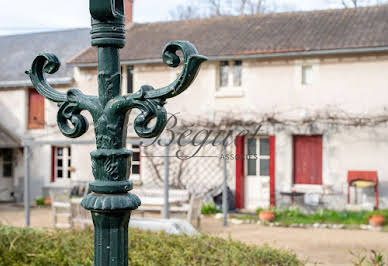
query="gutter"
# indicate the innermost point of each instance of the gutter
(27, 83)
(262, 56)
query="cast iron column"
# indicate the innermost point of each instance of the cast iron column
(110, 201)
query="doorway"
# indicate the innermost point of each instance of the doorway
(308, 160)
(257, 179)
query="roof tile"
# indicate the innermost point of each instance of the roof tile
(259, 34)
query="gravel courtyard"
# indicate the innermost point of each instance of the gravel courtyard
(322, 246)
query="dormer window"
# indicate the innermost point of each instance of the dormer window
(230, 74)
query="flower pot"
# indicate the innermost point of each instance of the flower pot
(377, 220)
(266, 216)
(47, 201)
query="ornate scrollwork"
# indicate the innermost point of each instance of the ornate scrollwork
(71, 112)
(192, 62)
(46, 63)
(150, 109)
(70, 104)
(150, 100)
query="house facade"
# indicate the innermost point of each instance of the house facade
(314, 82)
(25, 116)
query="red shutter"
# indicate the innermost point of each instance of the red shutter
(239, 197)
(35, 110)
(308, 160)
(272, 199)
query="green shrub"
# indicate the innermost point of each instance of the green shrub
(56, 247)
(296, 216)
(209, 208)
(39, 201)
(259, 210)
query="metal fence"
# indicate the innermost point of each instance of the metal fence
(202, 174)
(199, 173)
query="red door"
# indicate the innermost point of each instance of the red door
(308, 160)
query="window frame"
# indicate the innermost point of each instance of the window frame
(231, 74)
(239, 64)
(136, 149)
(66, 166)
(307, 80)
(258, 156)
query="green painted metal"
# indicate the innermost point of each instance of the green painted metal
(110, 201)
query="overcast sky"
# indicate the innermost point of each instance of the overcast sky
(36, 15)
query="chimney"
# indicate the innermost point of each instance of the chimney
(128, 5)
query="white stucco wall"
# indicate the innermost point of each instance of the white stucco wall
(14, 116)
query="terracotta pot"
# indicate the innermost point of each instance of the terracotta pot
(377, 220)
(266, 216)
(47, 201)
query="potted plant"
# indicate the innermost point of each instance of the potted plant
(377, 220)
(266, 216)
(47, 201)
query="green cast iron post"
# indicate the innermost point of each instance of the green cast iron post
(111, 202)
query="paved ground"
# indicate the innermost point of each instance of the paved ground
(324, 246)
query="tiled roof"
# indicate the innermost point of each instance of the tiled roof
(259, 34)
(18, 51)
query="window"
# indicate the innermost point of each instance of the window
(135, 162)
(258, 156)
(230, 76)
(224, 73)
(61, 163)
(35, 110)
(7, 155)
(307, 75)
(264, 156)
(237, 70)
(129, 79)
(252, 156)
